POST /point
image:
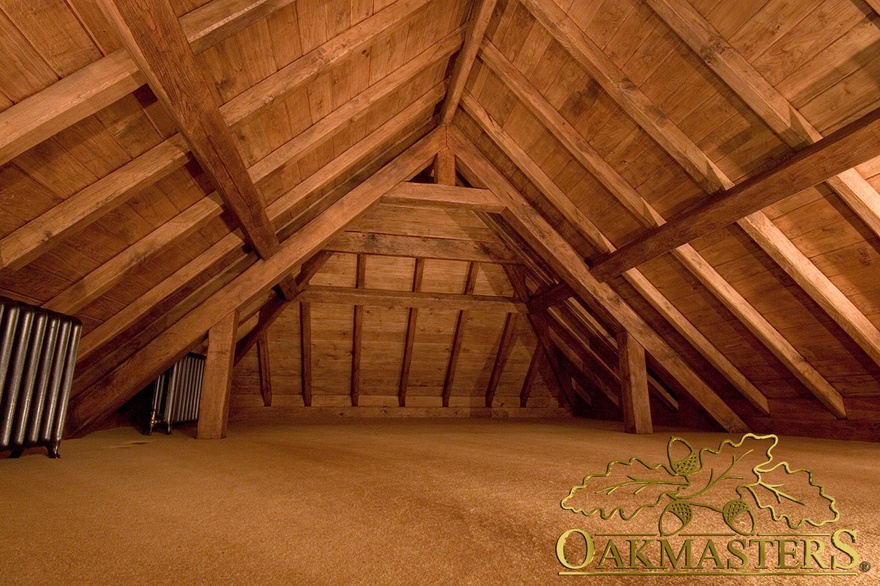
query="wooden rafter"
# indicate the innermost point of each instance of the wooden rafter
(155, 40)
(220, 254)
(217, 20)
(635, 103)
(66, 102)
(247, 104)
(105, 276)
(568, 264)
(593, 235)
(465, 60)
(770, 105)
(120, 384)
(300, 195)
(411, 325)
(786, 121)
(37, 236)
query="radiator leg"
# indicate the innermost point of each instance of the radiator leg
(53, 449)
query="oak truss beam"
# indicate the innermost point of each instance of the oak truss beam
(421, 247)
(570, 267)
(279, 211)
(465, 60)
(762, 97)
(757, 225)
(217, 382)
(109, 393)
(852, 145)
(153, 36)
(780, 115)
(598, 240)
(435, 195)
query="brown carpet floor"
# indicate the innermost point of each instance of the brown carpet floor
(350, 501)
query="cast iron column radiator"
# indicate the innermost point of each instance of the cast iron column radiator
(176, 393)
(37, 356)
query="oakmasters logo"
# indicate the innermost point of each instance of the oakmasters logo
(729, 511)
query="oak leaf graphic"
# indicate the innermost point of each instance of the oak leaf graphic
(736, 480)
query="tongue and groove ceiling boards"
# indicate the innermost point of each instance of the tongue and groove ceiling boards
(622, 208)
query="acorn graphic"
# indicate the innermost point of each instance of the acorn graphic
(688, 465)
(675, 517)
(738, 516)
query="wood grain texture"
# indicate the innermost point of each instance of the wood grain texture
(153, 36)
(34, 238)
(634, 400)
(66, 102)
(443, 197)
(465, 60)
(567, 263)
(217, 380)
(421, 246)
(119, 385)
(850, 146)
(318, 60)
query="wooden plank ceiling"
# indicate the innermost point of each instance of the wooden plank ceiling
(659, 210)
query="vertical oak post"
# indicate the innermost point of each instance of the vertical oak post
(633, 385)
(217, 382)
(265, 369)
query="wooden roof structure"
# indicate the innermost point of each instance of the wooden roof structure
(621, 206)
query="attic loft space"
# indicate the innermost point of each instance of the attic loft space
(659, 213)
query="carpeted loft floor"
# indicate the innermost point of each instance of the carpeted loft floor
(351, 501)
